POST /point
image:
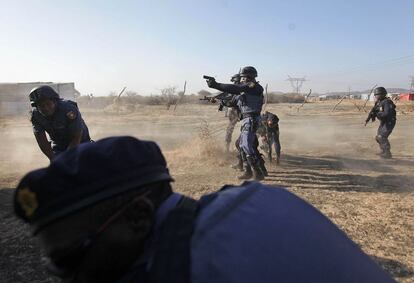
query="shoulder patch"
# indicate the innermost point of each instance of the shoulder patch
(251, 84)
(71, 115)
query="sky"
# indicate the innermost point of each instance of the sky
(103, 46)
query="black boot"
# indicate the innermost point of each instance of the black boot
(239, 164)
(255, 165)
(263, 167)
(258, 174)
(386, 155)
(248, 174)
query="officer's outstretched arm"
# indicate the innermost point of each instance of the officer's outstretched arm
(230, 88)
(75, 139)
(44, 145)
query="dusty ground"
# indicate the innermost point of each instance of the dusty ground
(328, 159)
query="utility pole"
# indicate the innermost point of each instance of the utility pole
(296, 83)
(412, 83)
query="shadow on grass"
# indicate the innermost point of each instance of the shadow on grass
(395, 268)
(331, 173)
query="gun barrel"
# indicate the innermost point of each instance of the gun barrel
(208, 77)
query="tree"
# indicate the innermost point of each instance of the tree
(131, 93)
(168, 96)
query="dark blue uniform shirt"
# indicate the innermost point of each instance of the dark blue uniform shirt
(258, 233)
(387, 111)
(249, 96)
(65, 122)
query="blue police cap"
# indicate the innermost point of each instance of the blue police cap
(88, 174)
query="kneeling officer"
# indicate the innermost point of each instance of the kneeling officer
(105, 212)
(59, 118)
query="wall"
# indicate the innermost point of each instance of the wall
(14, 97)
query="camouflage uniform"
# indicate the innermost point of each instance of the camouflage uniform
(387, 117)
(233, 119)
(269, 131)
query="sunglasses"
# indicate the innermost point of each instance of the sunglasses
(65, 263)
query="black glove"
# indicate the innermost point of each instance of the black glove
(211, 83)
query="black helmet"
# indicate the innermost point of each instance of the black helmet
(249, 72)
(380, 91)
(235, 78)
(41, 93)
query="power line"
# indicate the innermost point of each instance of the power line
(390, 62)
(393, 62)
(296, 83)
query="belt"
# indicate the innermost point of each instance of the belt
(250, 115)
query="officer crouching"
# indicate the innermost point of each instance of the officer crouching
(106, 212)
(59, 118)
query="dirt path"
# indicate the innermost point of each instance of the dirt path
(328, 159)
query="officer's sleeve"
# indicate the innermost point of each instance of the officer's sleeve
(386, 111)
(234, 89)
(232, 102)
(74, 119)
(37, 127)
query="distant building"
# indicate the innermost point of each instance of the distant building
(367, 96)
(14, 97)
(329, 97)
(406, 96)
(355, 96)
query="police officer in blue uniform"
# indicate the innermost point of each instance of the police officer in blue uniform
(249, 100)
(59, 118)
(386, 114)
(105, 212)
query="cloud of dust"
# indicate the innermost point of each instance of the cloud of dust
(314, 134)
(205, 151)
(20, 152)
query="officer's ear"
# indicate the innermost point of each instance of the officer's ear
(140, 216)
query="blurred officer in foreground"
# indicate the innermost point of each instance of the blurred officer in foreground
(59, 118)
(249, 100)
(105, 212)
(386, 114)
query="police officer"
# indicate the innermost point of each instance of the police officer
(105, 212)
(270, 134)
(233, 116)
(59, 118)
(249, 100)
(386, 114)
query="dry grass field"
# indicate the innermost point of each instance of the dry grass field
(328, 159)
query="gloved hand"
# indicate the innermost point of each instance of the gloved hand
(211, 83)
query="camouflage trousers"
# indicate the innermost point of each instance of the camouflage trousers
(273, 139)
(384, 131)
(233, 119)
